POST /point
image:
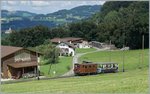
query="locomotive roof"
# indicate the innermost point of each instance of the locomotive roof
(86, 63)
(106, 63)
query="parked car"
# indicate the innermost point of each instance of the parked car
(29, 75)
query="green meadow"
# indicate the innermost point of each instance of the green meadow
(84, 50)
(64, 65)
(133, 80)
(133, 59)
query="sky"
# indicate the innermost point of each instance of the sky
(45, 6)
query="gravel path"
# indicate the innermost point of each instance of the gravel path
(76, 60)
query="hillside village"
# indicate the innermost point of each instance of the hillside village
(22, 62)
(106, 52)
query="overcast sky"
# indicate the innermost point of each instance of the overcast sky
(43, 6)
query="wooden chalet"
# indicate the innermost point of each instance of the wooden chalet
(16, 61)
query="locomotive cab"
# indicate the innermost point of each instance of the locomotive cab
(85, 68)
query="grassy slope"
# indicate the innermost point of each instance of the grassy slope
(132, 59)
(60, 68)
(78, 50)
(134, 80)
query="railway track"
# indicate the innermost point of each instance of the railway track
(35, 79)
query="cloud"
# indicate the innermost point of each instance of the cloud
(8, 8)
(44, 7)
(25, 2)
(12, 3)
(39, 3)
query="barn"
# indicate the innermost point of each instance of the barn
(17, 61)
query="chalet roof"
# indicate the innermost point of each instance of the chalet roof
(70, 45)
(23, 64)
(7, 50)
(67, 39)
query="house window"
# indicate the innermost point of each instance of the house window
(22, 56)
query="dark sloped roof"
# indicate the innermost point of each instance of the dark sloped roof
(7, 50)
(67, 39)
(70, 45)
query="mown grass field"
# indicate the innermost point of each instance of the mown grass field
(133, 80)
(128, 82)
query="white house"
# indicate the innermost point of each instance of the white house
(77, 42)
(83, 44)
(66, 49)
(8, 31)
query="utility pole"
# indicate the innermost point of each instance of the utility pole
(110, 51)
(123, 57)
(142, 49)
(37, 65)
(123, 60)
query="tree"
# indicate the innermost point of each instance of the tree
(51, 55)
(30, 37)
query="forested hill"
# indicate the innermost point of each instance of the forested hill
(122, 22)
(23, 19)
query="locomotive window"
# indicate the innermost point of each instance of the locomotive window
(76, 66)
(108, 65)
(85, 66)
(89, 66)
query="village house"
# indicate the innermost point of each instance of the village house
(66, 49)
(18, 61)
(77, 42)
(8, 31)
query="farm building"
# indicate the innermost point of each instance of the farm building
(102, 45)
(17, 61)
(78, 42)
(66, 49)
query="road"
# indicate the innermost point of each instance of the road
(76, 60)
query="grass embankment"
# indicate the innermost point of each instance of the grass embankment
(60, 68)
(84, 50)
(133, 80)
(128, 82)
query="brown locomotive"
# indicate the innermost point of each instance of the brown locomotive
(85, 68)
(94, 68)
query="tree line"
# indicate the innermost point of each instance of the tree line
(122, 22)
